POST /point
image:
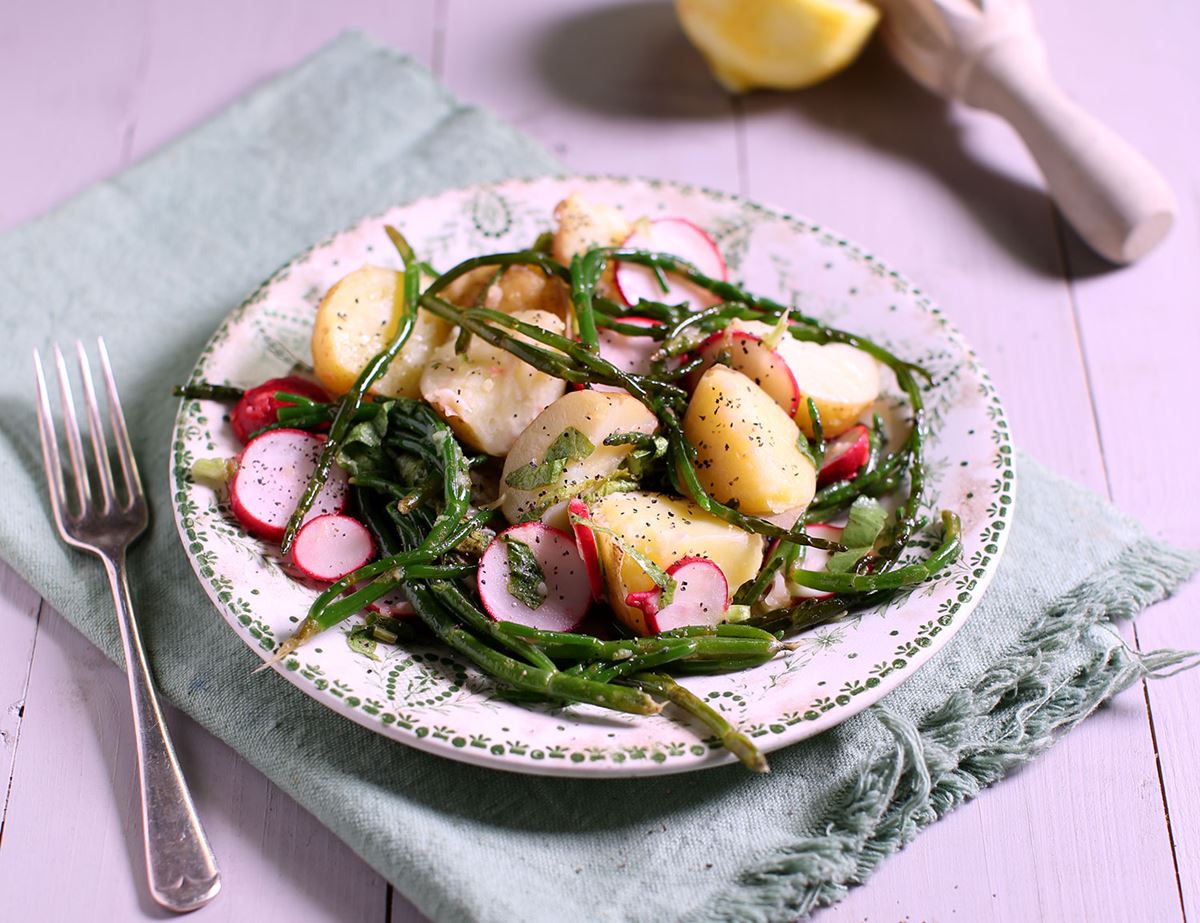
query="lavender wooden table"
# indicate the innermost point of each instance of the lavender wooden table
(1097, 368)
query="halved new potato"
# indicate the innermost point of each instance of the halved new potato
(487, 395)
(842, 381)
(593, 414)
(355, 320)
(582, 225)
(747, 448)
(664, 529)
(519, 288)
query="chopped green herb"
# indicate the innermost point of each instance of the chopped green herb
(525, 578)
(361, 640)
(867, 519)
(648, 448)
(570, 445)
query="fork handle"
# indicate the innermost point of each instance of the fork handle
(180, 865)
(1117, 201)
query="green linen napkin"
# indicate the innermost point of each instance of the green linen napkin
(154, 258)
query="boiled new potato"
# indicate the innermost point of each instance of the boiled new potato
(664, 529)
(582, 225)
(593, 414)
(842, 381)
(355, 320)
(746, 445)
(519, 288)
(487, 395)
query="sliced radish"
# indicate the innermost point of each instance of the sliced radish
(628, 353)
(815, 559)
(845, 456)
(259, 407)
(568, 589)
(585, 541)
(766, 367)
(701, 596)
(332, 546)
(678, 237)
(272, 472)
(785, 520)
(393, 605)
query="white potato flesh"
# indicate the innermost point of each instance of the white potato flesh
(487, 395)
(355, 320)
(747, 448)
(594, 414)
(582, 225)
(665, 529)
(842, 381)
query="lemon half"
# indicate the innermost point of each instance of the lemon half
(780, 44)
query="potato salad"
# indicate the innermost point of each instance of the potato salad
(592, 467)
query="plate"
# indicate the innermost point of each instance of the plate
(425, 696)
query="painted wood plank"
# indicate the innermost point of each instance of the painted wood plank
(127, 76)
(951, 198)
(66, 97)
(205, 55)
(1140, 329)
(72, 842)
(609, 88)
(20, 607)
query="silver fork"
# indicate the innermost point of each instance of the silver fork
(180, 864)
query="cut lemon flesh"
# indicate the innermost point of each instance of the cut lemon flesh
(779, 44)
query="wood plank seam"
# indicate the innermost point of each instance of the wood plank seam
(20, 706)
(741, 145)
(1162, 787)
(437, 59)
(1076, 325)
(1064, 259)
(133, 111)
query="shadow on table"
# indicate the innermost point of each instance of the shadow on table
(628, 60)
(632, 59)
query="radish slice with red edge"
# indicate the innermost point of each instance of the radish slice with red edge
(628, 353)
(564, 575)
(259, 407)
(815, 559)
(273, 471)
(585, 542)
(678, 237)
(329, 547)
(845, 456)
(393, 605)
(766, 367)
(701, 596)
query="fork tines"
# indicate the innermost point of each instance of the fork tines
(94, 492)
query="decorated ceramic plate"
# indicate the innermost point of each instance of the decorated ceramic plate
(425, 696)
